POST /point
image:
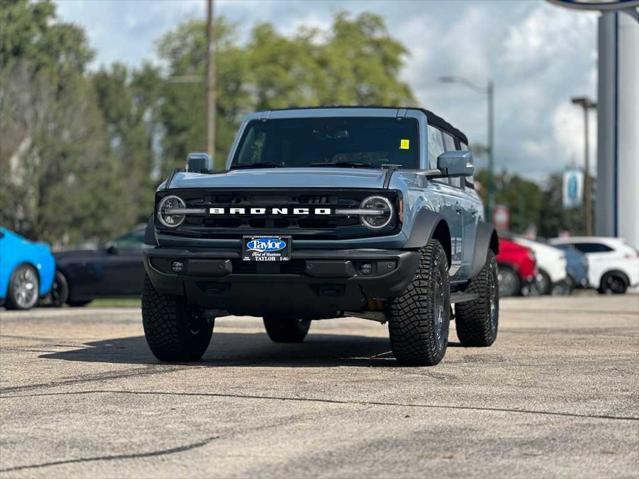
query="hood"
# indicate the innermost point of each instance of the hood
(283, 178)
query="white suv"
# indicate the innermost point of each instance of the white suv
(551, 264)
(613, 265)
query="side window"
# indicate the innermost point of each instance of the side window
(435, 145)
(449, 145)
(449, 142)
(592, 247)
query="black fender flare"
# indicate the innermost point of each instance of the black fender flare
(429, 224)
(486, 239)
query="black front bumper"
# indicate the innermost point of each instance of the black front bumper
(312, 284)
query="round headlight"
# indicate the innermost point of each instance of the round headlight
(382, 215)
(166, 216)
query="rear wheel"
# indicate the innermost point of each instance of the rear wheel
(613, 283)
(24, 288)
(173, 331)
(419, 319)
(509, 282)
(59, 290)
(477, 321)
(286, 330)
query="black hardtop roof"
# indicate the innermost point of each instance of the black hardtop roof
(433, 119)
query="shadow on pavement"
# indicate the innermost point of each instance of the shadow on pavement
(247, 349)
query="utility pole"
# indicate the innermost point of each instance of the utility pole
(489, 91)
(586, 104)
(210, 82)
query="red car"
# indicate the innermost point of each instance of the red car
(517, 268)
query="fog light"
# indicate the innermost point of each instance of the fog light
(177, 266)
(366, 268)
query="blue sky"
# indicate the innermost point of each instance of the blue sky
(537, 54)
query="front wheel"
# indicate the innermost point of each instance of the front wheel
(173, 331)
(24, 288)
(286, 330)
(477, 320)
(419, 319)
(544, 283)
(509, 282)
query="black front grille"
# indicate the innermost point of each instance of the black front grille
(228, 226)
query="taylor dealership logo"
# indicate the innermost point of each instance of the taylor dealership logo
(270, 211)
(266, 245)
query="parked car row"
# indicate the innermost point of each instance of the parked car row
(30, 272)
(609, 265)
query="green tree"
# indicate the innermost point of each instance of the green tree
(355, 62)
(53, 157)
(182, 114)
(129, 102)
(523, 198)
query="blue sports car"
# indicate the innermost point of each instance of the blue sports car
(26, 271)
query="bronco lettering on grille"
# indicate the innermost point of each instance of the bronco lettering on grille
(270, 211)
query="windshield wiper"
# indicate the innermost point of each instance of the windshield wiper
(265, 164)
(346, 164)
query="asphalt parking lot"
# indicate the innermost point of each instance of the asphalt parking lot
(557, 395)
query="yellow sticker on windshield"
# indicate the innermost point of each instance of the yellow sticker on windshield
(404, 144)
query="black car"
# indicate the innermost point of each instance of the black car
(116, 270)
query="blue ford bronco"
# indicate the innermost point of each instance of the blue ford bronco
(323, 213)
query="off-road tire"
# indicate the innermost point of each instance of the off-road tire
(173, 332)
(477, 321)
(419, 319)
(286, 330)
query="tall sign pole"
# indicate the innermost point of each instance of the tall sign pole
(586, 104)
(210, 81)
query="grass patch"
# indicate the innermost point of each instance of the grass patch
(115, 303)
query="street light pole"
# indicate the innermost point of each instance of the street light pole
(489, 91)
(210, 81)
(586, 104)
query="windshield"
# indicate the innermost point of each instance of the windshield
(317, 142)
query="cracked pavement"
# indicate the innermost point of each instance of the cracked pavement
(557, 395)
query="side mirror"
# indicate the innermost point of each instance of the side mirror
(111, 249)
(456, 163)
(199, 163)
